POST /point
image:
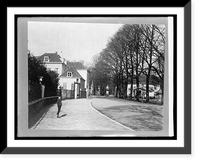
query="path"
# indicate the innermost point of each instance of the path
(77, 114)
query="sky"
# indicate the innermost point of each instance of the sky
(72, 41)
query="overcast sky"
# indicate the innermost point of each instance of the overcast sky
(77, 41)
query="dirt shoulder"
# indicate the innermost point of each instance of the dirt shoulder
(138, 116)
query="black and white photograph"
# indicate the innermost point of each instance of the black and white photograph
(97, 76)
(98, 80)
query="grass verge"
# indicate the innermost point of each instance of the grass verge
(138, 117)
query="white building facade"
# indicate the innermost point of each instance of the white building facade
(53, 62)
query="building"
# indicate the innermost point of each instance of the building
(72, 84)
(73, 76)
(154, 87)
(53, 62)
(84, 72)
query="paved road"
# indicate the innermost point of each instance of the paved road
(77, 114)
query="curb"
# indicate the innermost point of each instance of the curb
(109, 118)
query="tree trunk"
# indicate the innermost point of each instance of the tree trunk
(132, 74)
(137, 88)
(147, 88)
(125, 89)
(120, 80)
(118, 85)
(127, 76)
(131, 93)
(116, 90)
(162, 91)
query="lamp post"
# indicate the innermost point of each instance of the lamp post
(107, 90)
(98, 89)
(42, 86)
(40, 79)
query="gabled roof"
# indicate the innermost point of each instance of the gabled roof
(75, 73)
(53, 57)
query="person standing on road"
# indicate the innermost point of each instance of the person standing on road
(59, 104)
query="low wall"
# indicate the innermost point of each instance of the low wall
(38, 107)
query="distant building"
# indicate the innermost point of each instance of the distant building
(154, 86)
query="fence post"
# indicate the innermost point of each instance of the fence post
(61, 92)
(43, 89)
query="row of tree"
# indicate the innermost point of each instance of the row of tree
(37, 71)
(134, 50)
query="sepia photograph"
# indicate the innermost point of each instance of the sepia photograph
(96, 77)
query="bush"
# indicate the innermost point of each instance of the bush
(35, 69)
(50, 79)
(34, 92)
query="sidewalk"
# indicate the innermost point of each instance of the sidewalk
(76, 114)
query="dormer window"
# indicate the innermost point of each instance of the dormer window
(46, 58)
(69, 74)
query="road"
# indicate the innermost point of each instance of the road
(77, 114)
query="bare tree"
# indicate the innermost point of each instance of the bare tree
(133, 50)
(154, 53)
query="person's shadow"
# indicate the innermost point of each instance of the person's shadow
(62, 115)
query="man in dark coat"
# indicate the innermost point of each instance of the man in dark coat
(59, 104)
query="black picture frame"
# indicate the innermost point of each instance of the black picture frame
(127, 150)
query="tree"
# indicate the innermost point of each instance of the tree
(99, 74)
(128, 41)
(133, 50)
(148, 33)
(136, 55)
(36, 70)
(159, 48)
(154, 55)
(50, 80)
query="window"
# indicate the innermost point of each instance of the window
(69, 74)
(46, 58)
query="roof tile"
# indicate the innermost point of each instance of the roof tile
(53, 57)
(74, 72)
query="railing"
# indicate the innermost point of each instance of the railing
(67, 94)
